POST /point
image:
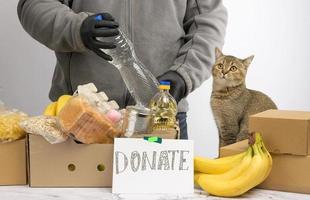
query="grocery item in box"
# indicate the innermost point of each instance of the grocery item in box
(9, 124)
(100, 102)
(54, 108)
(86, 123)
(164, 108)
(45, 126)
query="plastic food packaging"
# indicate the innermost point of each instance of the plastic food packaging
(100, 101)
(140, 82)
(83, 120)
(9, 124)
(45, 126)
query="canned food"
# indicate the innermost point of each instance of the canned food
(137, 120)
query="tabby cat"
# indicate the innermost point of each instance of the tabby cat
(231, 102)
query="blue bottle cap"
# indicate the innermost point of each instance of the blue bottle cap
(99, 18)
(164, 82)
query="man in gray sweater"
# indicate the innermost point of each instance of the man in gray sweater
(175, 39)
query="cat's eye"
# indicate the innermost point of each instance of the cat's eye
(220, 66)
(233, 68)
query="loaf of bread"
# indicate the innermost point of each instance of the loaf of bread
(85, 123)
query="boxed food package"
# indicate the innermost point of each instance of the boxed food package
(289, 173)
(284, 132)
(70, 164)
(13, 163)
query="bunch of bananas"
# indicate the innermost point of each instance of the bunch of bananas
(54, 108)
(234, 175)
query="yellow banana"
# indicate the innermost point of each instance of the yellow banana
(217, 166)
(266, 156)
(196, 177)
(62, 102)
(236, 171)
(50, 109)
(242, 183)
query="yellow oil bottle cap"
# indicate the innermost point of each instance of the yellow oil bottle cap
(164, 85)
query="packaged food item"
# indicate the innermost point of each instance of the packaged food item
(9, 124)
(114, 116)
(164, 108)
(86, 123)
(61, 102)
(45, 126)
(137, 120)
(50, 109)
(54, 108)
(100, 102)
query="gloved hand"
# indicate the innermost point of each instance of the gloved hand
(177, 84)
(99, 25)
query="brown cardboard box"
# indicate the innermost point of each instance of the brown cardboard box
(13, 163)
(290, 173)
(284, 132)
(70, 164)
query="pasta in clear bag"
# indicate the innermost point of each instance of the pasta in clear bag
(10, 129)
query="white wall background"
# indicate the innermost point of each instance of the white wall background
(277, 32)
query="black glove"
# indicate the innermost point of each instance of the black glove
(177, 84)
(99, 25)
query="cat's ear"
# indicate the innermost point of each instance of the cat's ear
(218, 53)
(248, 61)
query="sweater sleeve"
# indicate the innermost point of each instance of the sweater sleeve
(52, 23)
(204, 25)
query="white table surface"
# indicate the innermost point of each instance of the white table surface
(26, 193)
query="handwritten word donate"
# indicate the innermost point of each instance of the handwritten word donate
(173, 160)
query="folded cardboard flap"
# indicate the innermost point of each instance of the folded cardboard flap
(13, 163)
(234, 148)
(289, 173)
(284, 132)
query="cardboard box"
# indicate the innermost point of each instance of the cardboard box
(13, 163)
(284, 132)
(290, 173)
(70, 164)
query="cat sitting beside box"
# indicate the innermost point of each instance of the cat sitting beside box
(231, 101)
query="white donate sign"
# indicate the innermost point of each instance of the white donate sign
(140, 166)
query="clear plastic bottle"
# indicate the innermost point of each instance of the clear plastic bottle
(140, 82)
(164, 108)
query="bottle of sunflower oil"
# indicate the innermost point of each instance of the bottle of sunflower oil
(164, 108)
